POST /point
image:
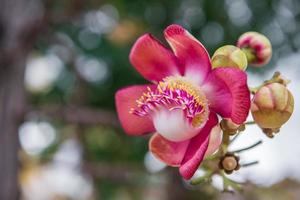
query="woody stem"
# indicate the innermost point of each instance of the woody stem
(250, 123)
(249, 147)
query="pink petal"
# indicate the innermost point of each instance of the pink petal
(152, 60)
(167, 151)
(197, 148)
(190, 52)
(125, 100)
(215, 140)
(227, 92)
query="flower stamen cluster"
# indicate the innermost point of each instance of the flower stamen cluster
(174, 93)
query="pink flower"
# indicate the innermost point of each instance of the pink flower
(181, 103)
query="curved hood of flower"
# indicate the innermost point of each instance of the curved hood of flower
(182, 103)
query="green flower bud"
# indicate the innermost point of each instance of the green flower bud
(272, 106)
(229, 56)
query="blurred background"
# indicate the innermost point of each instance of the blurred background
(61, 61)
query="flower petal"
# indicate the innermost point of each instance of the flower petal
(188, 154)
(227, 92)
(215, 140)
(190, 52)
(197, 148)
(167, 151)
(152, 60)
(125, 100)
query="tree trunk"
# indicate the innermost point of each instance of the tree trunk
(18, 23)
(176, 191)
(11, 101)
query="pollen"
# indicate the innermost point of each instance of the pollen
(199, 119)
(182, 83)
(175, 92)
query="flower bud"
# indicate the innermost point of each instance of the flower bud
(272, 106)
(229, 56)
(229, 162)
(270, 131)
(227, 125)
(257, 48)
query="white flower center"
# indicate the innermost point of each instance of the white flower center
(173, 125)
(178, 108)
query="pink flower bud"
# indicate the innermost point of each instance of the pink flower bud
(229, 56)
(257, 48)
(272, 106)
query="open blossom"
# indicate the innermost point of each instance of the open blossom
(181, 103)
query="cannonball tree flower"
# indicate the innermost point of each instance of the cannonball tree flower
(182, 100)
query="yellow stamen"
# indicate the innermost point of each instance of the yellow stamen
(182, 83)
(173, 83)
(199, 119)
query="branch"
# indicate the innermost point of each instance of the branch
(249, 147)
(249, 164)
(132, 174)
(77, 115)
